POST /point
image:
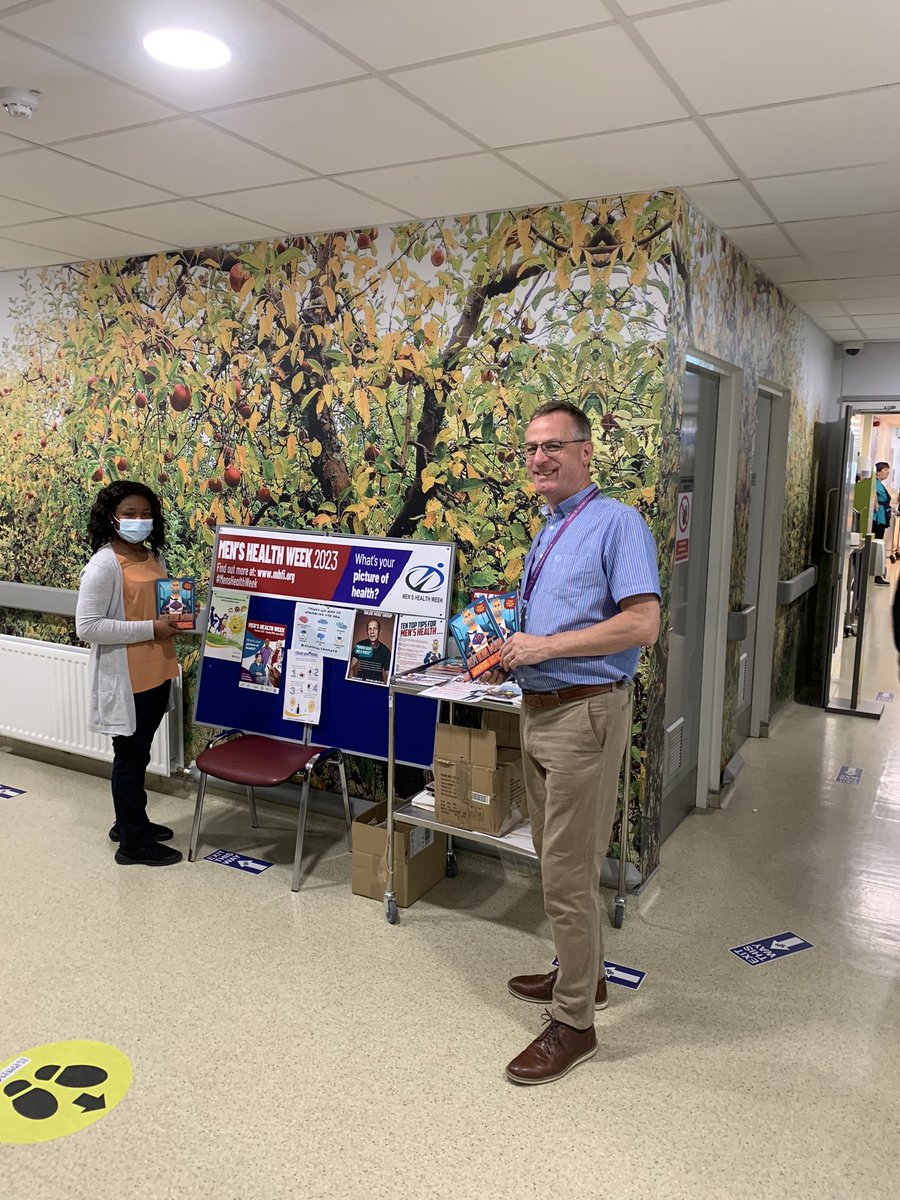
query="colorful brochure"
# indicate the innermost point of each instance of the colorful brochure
(505, 610)
(478, 637)
(262, 657)
(176, 598)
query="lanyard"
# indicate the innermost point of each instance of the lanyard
(534, 570)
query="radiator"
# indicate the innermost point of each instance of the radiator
(45, 699)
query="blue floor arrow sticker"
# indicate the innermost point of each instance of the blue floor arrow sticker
(780, 945)
(885, 697)
(240, 862)
(849, 775)
(627, 977)
(10, 793)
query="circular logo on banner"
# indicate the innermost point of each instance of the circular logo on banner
(59, 1088)
(425, 579)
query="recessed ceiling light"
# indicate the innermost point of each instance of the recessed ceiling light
(187, 48)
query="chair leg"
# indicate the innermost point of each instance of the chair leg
(198, 809)
(254, 819)
(348, 812)
(301, 830)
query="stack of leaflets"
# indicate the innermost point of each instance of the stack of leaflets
(482, 627)
(176, 599)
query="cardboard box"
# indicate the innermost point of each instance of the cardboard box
(420, 857)
(478, 781)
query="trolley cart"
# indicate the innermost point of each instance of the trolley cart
(512, 842)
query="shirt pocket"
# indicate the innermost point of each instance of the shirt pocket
(570, 579)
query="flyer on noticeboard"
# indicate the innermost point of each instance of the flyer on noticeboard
(262, 656)
(303, 686)
(504, 608)
(323, 627)
(420, 643)
(372, 649)
(478, 637)
(226, 625)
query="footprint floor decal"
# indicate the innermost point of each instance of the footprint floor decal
(37, 1104)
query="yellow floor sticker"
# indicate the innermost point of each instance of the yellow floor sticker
(51, 1091)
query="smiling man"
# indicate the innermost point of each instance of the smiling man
(590, 600)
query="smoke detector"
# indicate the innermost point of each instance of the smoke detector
(20, 103)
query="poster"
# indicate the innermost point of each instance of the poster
(262, 655)
(323, 627)
(303, 686)
(420, 642)
(226, 625)
(371, 654)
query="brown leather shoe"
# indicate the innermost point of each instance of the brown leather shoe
(553, 1053)
(538, 989)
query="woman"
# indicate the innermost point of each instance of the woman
(132, 656)
(881, 516)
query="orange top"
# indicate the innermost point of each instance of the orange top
(149, 663)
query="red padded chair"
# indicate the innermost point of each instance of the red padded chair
(256, 761)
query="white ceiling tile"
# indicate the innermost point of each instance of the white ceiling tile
(570, 86)
(208, 160)
(368, 124)
(9, 144)
(811, 289)
(186, 223)
(814, 136)
(12, 211)
(746, 52)
(82, 239)
(875, 232)
(874, 307)
(634, 8)
(862, 289)
(15, 256)
(833, 193)
(634, 161)
(884, 337)
(74, 101)
(476, 183)
(834, 324)
(881, 327)
(728, 204)
(761, 241)
(47, 178)
(402, 34)
(856, 264)
(824, 308)
(312, 207)
(848, 333)
(270, 52)
(787, 270)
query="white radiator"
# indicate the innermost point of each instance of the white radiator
(45, 698)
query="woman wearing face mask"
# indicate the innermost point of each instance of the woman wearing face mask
(132, 656)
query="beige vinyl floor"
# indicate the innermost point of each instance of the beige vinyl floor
(298, 1046)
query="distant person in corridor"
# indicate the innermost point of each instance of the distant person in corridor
(881, 516)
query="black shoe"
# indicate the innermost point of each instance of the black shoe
(882, 582)
(151, 855)
(159, 833)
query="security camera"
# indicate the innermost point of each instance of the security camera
(20, 103)
(852, 349)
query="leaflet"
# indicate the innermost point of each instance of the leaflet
(176, 599)
(323, 627)
(420, 642)
(262, 656)
(505, 610)
(478, 637)
(303, 686)
(226, 624)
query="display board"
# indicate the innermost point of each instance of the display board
(299, 620)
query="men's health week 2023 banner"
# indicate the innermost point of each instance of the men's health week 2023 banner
(399, 577)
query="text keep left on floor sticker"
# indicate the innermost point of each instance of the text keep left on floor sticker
(59, 1088)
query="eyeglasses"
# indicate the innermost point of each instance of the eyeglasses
(530, 449)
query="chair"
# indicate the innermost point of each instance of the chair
(256, 761)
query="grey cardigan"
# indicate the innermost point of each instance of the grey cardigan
(100, 620)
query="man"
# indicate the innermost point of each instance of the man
(434, 654)
(371, 660)
(590, 600)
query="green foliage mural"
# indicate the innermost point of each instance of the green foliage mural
(374, 381)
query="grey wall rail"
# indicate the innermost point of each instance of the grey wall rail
(789, 590)
(32, 598)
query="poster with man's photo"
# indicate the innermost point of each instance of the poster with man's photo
(371, 649)
(262, 656)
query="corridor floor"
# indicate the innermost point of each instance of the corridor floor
(297, 1046)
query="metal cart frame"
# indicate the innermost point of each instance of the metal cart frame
(412, 815)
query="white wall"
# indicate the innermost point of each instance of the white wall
(873, 373)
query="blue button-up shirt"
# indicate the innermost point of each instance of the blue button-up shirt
(606, 555)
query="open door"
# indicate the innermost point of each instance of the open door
(839, 542)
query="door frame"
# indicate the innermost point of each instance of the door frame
(770, 556)
(718, 580)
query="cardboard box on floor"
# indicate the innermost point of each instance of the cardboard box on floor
(420, 858)
(478, 780)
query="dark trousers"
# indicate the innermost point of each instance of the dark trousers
(130, 758)
(878, 531)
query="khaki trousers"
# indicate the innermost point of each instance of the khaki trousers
(572, 756)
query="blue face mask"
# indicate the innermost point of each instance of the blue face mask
(134, 531)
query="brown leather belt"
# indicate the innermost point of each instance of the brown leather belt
(580, 691)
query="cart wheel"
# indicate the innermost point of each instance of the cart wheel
(452, 866)
(390, 911)
(618, 915)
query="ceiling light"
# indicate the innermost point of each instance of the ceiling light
(187, 48)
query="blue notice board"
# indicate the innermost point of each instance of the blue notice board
(271, 570)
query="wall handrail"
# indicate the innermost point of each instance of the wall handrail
(789, 590)
(32, 597)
